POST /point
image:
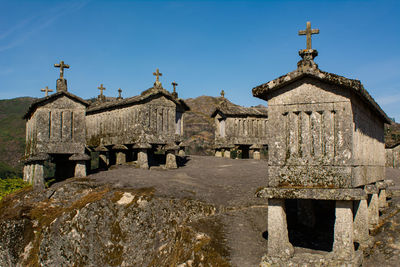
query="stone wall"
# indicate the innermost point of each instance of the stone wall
(310, 144)
(368, 144)
(156, 119)
(57, 127)
(393, 157)
(241, 130)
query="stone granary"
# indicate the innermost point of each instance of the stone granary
(393, 156)
(326, 162)
(240, 128)
(135, 128)
(65, 129)
(55, 130)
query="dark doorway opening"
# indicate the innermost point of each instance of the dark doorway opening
(311, 223)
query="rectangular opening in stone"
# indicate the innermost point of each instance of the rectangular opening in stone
(311, 223)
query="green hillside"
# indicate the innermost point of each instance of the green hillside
(12, 135)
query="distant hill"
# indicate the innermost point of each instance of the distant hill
(198, 125)
(12, 135)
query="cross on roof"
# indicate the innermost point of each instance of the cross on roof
(101, 88)
(157, 74)
(308, 32)
(62, 66)
(223, 93)
(174, 84)
(46, 90)
(119, 92)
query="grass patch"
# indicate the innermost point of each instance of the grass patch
(10, 185)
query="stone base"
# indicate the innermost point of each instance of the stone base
(143, 159)
(256, 155)
(325, 259)
(218, 154)
(80, 169)
(227, 154)
(170, 162)
(181, 153)
(120, 158)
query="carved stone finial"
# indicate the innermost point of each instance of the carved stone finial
(46, 90)
(62, 66)
(223, 94)
(101, 97)
(308, 32)
(157, 74)
(119, 94)
(174, 93)
(61, 82)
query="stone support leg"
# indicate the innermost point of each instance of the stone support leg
(181, 153)
(170, 162)
(104, 160)
(143, 159)
(373, 210)
(38, 175)
(218, 153)
(278, 238)
(382, 199)
(80, 169)
(256, 155)
(361, 227)
(227, 154)
(120, 157)
(343, 246)
(27, 173)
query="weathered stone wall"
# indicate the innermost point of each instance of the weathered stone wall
(57, 127)
(368, 144)
(156, 119)
(310, 135)
(241, 130)
(393, 157)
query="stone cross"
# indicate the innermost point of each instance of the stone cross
(157, 74)
(46, 90)
(223, 94)
(62, 66)
(174, 84)
(119, 93)
(101, 88)
(308, 32)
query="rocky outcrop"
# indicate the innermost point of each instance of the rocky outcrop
(81, 223)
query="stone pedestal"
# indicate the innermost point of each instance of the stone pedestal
(80, 169)
(120, 157)
(104, 160)
(143, 159)
(256, 155)
(170, 162)
(37, 175)
(227, 154)
(27, 173)
(373, 210)
(181, 152)
(343, 246)
(361, 227)
(218, 153)
(278, 239)
(382, 199)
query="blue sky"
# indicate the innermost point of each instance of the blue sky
(205, 46)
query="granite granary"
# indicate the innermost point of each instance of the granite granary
(326, 164)
(240, 129)
(65, 129)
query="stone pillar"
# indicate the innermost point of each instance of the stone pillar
(37, 175)
(182, 152)
(27, 173)
(343, 246)
(218, 153)
(256, 155)
(120, 157)
(278, 238)
(373, 205)
(227, 153)
(382, 194)
(104, 160)
(361, 227)
(80, 168)
(170, 162)
(143, 159)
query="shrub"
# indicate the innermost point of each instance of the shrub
(7, 186)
